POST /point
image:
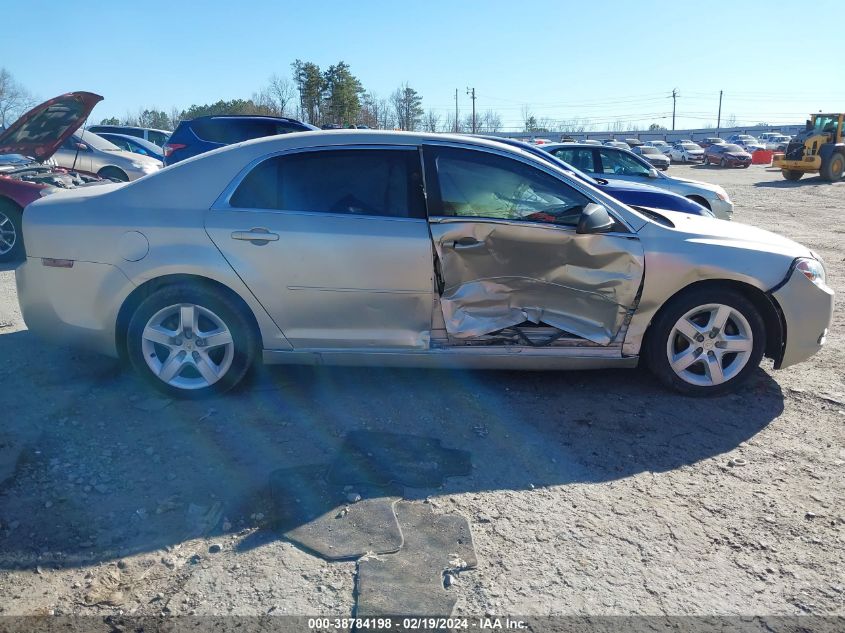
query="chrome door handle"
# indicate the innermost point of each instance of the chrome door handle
(465, 243)
(257, 235)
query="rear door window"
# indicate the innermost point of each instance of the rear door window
(355, 182)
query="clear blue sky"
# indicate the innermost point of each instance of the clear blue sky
(607, 60)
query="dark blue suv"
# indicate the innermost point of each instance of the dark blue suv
(206, 133)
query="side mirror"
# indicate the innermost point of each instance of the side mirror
(82, 147)
(652, 173)
(594, 219)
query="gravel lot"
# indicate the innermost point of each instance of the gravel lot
(590, 493)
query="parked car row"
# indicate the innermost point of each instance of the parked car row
(619, 164)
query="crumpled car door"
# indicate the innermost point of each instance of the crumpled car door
(496, 273)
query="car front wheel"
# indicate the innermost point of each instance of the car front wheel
(706, 342)
(191, 342)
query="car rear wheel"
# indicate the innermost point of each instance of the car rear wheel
(113, 173)
(792, 174)
(833, 168)
(723, 163)
(191, 342)
(11, 236)
(706, 342)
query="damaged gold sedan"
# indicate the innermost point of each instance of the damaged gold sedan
(402, 249)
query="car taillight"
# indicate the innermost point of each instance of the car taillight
(169, 148)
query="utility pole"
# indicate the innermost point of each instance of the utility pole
(719, 116)
(674, 102)
(471, 91)
(456, 110)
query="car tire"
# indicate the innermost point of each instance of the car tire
(162, 343)
(834, 167)
(113, 173)
(11, 235)
(792, 174)
(723, 163)
(685, 348)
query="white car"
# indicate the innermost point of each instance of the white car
(663, 146)
(777, 142)
(686, 153)
(87, 152)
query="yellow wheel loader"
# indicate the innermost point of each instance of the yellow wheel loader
(819, 148)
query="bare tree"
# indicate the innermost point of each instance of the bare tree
(14, 98)
(528, 119)
(431, 121)
(618, 126)
(449, 124)
(546, 124)
(375, 112)
(282, 93)
(490, 122)
(574, 125)
(175, 117)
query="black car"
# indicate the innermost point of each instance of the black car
(206, 133)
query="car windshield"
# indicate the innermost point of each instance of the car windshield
(650, 150)
(690, 146)
(96, 141)
(732, 148)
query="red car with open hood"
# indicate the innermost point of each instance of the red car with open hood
(25, 151)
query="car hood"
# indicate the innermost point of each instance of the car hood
(42, 130)
(702, 229)
(657, 157)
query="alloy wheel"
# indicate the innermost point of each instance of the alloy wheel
(8, 234)
(710, 345)
(187, 346)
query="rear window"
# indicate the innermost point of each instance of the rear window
(159, 138)
(356, 182)
(579, 158)
(228, 131)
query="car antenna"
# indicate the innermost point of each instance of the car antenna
(75, 156)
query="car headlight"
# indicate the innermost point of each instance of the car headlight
(812, 270)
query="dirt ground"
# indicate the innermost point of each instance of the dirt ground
(590, 492)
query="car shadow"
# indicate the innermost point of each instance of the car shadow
(7, 266)
(814, 181)
(105, 467)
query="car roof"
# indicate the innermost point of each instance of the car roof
(126, 127)
(246, 117)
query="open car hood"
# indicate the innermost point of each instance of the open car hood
(42, 130)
